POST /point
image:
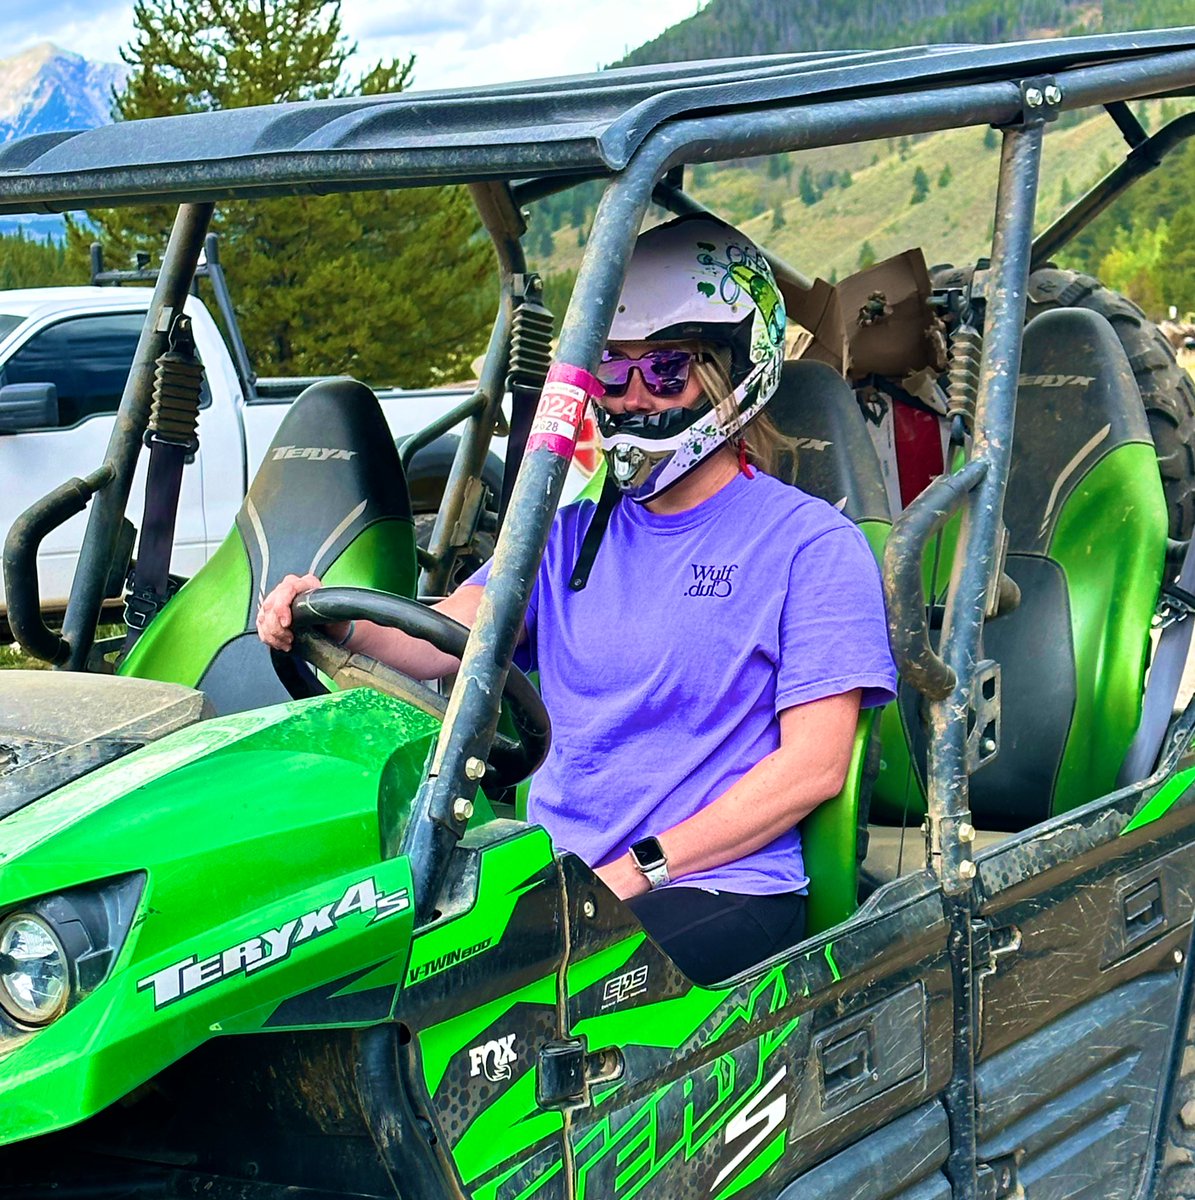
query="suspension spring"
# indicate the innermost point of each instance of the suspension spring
(530, 342)
(178, 390)
(966, 350)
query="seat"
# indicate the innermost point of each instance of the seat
(329, 498)
(1086, 520)
(816, 410)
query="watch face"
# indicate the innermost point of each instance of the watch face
(648, 853)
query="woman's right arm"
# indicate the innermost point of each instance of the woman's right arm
(411, 655)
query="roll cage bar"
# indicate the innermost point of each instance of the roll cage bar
(636, 129)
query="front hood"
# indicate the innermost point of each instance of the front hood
(58, 726)
(257, 838)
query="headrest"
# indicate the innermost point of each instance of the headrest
(331, 470)
(1076, 402)
(836, 459)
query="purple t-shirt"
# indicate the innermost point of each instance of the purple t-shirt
(665, 676)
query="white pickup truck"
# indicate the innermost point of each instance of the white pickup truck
(64, 356)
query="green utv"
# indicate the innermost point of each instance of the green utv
(258, 947)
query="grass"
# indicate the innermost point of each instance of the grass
(13, 658)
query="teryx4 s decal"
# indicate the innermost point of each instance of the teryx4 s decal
(271, 946)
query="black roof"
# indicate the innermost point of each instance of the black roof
(587, 124)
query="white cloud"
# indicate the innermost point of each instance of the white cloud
(95, 30)
(466, 43)
(457, 43)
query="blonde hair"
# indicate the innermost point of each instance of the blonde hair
(767, 448)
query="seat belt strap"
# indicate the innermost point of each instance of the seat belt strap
(594, 534)
(1175, 609)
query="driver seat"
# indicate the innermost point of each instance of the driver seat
(329, 499)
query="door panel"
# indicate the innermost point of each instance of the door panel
(740, 1089)
(902, 1161)
(1079, 946)
(1073, 1103)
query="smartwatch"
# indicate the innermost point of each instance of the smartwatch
(648, 856)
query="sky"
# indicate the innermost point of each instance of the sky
(457, 43)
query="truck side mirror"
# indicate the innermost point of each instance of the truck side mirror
(28, 406)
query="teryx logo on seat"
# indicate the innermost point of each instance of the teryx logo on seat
(271, 946)
(314, 453)
(1054, 381)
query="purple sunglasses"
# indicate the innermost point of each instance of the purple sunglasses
(664, 372)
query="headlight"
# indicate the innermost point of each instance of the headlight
(34, 974)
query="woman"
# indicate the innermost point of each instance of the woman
(705, 676)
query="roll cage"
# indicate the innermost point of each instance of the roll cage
(635, 130)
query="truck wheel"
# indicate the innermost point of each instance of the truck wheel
(426, 479)
(1167, 390)
(480, 549)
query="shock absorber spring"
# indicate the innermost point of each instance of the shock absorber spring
(530, 342)
(965, 352)
(178, 391)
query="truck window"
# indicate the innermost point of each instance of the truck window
(8, 322)
(86, 358)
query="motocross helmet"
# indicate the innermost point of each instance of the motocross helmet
(693, 279)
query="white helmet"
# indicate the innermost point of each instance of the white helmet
(693, 279)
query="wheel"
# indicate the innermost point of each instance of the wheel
(511, 760)
(479, 550)
(1167, 391)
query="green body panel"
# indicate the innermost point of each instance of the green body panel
(238, 825)
(213, 607)
(1113, 557)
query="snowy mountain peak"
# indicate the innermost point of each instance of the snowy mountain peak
(47, 88)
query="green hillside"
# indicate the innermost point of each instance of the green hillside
(831, 211)
(723, 28)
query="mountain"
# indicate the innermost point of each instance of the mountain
(46, 88)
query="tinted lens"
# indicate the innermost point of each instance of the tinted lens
(665, 372)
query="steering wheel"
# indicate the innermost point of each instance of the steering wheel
(510, 759)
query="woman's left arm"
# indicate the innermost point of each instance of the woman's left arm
(816, 741)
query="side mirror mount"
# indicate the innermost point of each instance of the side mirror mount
(28, 406)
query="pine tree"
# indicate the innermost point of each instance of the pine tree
(920, 186)
(26, 262)
(806, 188)
(867, 256)
(945, 177)
(1065, 192)
(393, 287)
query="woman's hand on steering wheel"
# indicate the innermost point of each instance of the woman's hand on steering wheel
(317, 614)
(275, 619)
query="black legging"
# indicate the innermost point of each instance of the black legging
(712, 936)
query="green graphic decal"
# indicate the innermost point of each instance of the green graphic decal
(715, 1101)
(508, 871)
(513, 1121)
(1160, 802)
(441, 1042)
(830, 959)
